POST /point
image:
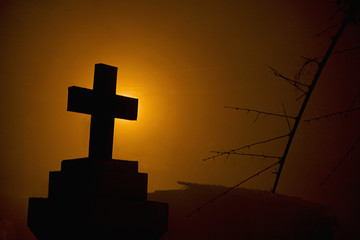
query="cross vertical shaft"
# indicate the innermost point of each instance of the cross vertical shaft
(102, 124)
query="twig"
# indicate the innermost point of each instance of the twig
(291, 81)
(246, 146)
(346, 50)
(248, 154)
(328, 28)
(332, 114)
(339, 163)
(303, 67)
(302, 95)
(287, 119)
(261, 112)
(310, 60)
(353, 101)
(339, 9)
(230, 189)
(315, 60)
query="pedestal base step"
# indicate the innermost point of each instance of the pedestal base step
(97, 219)
(100, 183)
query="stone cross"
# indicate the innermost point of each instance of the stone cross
(104, 105)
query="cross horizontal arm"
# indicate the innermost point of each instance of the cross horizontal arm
(80, 100)
(83, 100)
(125, 107)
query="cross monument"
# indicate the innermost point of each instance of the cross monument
(104, 105)
(98, 197)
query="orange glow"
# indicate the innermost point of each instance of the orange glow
(184, 61)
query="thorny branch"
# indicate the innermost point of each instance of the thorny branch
(287, 118)
(248, 154)
(346, 50)
(351, 12)
(353, 102)
(332, 114)
(261, 112)
(328, 28)
(291, 81)
(316, 59)
(321, 66)
(304, 66)
(233, 151)
(297, 83)
(306, 63)
(230, 189)
(301, 96)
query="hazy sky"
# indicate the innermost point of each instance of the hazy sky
(184, 61)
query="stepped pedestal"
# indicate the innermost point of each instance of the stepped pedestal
(97, 199)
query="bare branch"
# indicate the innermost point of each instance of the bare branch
(287, 119)
(260, 112)
(291, 81)
(258, 155)
(257, 116)
(302, 95)
(341, 161)
(350, 8)
(247, 154)
(230, 189)
(328, 28)
(346, 50)
(353, 102)
(332, 114)
(315, 60)
(339, 9)
(246, 146)
(302, 69)
(321, 66)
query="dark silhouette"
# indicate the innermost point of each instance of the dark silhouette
(104, 105)
(244, 214)
(98, 197)
(351, 10)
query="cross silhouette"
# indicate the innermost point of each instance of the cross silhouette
(104, 105)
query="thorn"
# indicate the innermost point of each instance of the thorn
(256, 118)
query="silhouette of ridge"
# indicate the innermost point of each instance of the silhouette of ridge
(243, 214)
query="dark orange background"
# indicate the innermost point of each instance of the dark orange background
(184, 61)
